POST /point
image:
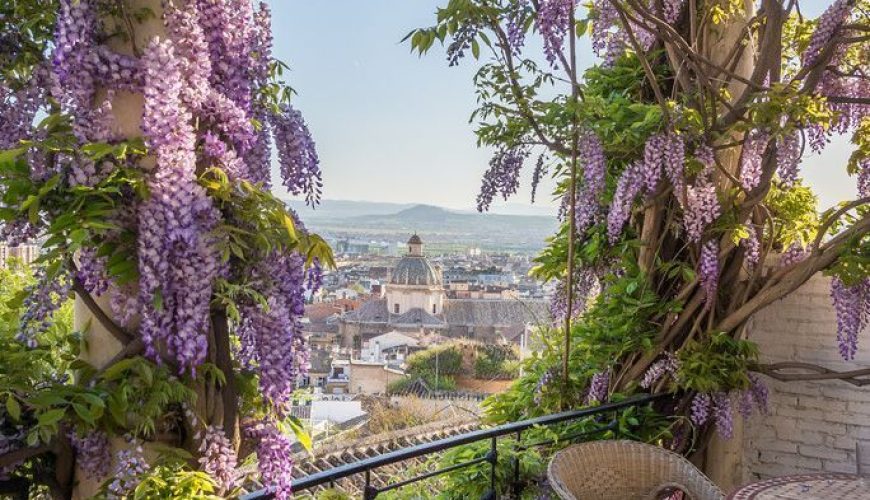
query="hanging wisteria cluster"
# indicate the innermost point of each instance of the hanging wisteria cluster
(218, 458)
(92, 453)
(212, 101)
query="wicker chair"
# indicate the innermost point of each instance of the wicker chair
(625, 470)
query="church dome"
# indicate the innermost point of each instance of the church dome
(415, 270)
(415, 240)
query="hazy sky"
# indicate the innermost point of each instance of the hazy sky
(391, 126)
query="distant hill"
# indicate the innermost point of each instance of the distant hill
(439, 226)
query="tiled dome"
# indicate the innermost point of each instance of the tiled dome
(415, 270)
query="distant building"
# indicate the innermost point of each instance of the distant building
(415, 300)
(25, 253)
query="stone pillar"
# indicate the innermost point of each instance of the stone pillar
(127, 108)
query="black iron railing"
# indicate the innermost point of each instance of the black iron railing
(515, 429)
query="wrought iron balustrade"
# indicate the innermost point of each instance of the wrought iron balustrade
(515, 429)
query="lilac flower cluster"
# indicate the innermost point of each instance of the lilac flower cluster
(462, 40)
(228, 29)
(93, 453)
(674, 163)
(274, 457)
(751, 246)
(754, 397)
(516, 25)
(852, 305)
(218, 458)
(788, 157)
(92, 272)
(585, 283)
(539, 172)
(79, 64)
(553, 21)
(610, 39)
(750, 161)
(177, 261)
(543, 382)
(702, 207)
(793, 254)
(591, 157)
(130, 467)
(829, 23)
(598, 387)
(628, 187)
(300, 166)
(666, 365)
(701, 405)
(662, 153)
(273, 338)
(723, 414)
(18, 231)
(43, 299)
(18, 108)
(502, 177)
(314, 277)
(708, 270)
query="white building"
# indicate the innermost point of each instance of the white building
(25, 253)
(390, 348)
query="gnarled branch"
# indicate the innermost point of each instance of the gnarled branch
(807, 371)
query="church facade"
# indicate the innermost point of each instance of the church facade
(415, 301)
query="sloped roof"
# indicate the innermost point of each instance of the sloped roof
(417, 316)
(370, 311)
(472, 312)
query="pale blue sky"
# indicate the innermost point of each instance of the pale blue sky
(390, 126)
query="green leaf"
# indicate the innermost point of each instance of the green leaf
(303, 437)
(13, 408)
(52, 416)
(11, 155)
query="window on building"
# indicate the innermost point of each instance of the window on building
(434, 310)
(395, 308)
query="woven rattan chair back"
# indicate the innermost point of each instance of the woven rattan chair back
(625, 470)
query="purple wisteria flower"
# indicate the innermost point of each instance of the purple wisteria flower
(218, 458)
(93, 453)
(553, 21)
(829, 23)
(502, 177)
(708, 270)
(723, 414)
(751, 159)
(628, 187)
(852, 305)
(751, 246)
(177, 259)
(274, 457)
(130, 467)
(300, 165)
(702, 208)
(43, 299)
(667, 365)
(598, 387)
(788, 157)
(793, 254)
(586, 284)
(700, 413)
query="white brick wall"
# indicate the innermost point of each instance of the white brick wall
(812, 426)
